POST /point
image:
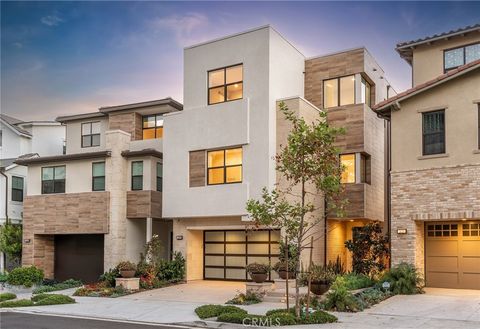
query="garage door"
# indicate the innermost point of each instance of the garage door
(452, 253)
(79, 257)
(226, 253)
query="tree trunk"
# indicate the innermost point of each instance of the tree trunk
(299, 253)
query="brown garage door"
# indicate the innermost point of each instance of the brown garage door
(79, 256)
(452, 252)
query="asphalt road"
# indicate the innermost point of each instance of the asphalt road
(13, 320)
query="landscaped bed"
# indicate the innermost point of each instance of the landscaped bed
(36, 300)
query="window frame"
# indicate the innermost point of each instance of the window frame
(339, 91)
(155, 127)
(444, 132)
(225, 166)
(354, 167)
(159, 177)
(54, 180)
(445, 70)
(17, 189)
(225, 85)
(134, 176)
(90, 135)
(93, 177)
(368, 91)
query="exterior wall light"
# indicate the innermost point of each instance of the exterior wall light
(401, 231)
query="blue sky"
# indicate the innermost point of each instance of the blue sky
(61, 58)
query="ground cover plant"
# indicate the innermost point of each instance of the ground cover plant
(39, 300)
(248, 298)
(404, 279)
(101, 289)
(211, 311)
(67, 284)
(7, 296)
(354, 281)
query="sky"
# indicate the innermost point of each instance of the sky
(61, 58)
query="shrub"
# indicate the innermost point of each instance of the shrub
(173, 270)
(126, 266)
(110, 276)
(53, 299)
(278, 319)
(11, 240)
(25, 276)
(248, 298)
(3, 277)
(318, 317)
(210, 311)
(337, 267)
(255, 268)
(404, 279)
(355, 281)
(39, 297)
(67, 284)
(340, 299)
(372, 296)
(17, 303)
(7, 296)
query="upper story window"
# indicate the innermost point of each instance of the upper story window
(366, 90)
(349, 164)
(159, 176)
(98, 176)
(153, 126)
(347, 161)
(17, 188)
(456, 57)
(53, 180)
(339, 91)
(225, 84)
(433, 131)
(137, 175)
(91, 134)
(224, 166)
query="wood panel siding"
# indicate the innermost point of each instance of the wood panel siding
(144, 204)
(197, 169)
(128, 122)
(355, 194)
(350, 117)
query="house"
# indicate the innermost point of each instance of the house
(435, 151)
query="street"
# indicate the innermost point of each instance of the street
(13, 320)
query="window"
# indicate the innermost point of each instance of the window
(137, 175)
(98, 176)
(224, 166)
(91, 134)
(225, 84)
(153, 126)
(339, 91)
(366, 92)
(53, 180)
(159, 176)
(433, 132)
(456, 57)
(365, 169)
(348, 163)
(17, 188)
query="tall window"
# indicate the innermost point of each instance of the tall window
(53, 180)
(456, 57)
(91, 134)
(339, 91)
(17, 188)
(159, 176)
(347, 161)
(224, 166)
(365, 169)
(433, 132)
(366, 90)
(137, 175)
(225, 84)
(98, 176)
(153, 126)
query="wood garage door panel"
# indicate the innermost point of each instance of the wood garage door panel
(442, 264)
(443, 279)
(471, 280)
(443, 247)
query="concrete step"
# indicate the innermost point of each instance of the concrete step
(282, 299)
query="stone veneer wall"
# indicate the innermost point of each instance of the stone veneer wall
(128, 122)
(436, 194)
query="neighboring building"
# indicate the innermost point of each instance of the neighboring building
(435, 170)
(99, 203)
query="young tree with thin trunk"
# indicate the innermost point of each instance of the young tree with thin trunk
(309, 166)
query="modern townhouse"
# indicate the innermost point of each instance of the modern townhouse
(435, 171)
(100, 202)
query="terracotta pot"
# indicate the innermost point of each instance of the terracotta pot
(283, 275)
(319, 288)
(127, 274)
(259, 277)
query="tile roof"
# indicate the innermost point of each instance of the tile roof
(439, 35)
(14, 122)
(423, 86)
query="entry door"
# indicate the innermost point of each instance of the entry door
(452, 255)
(226, 253)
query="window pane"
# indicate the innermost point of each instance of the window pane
(330, 90)
(347, 90)
(95, 127)
(234, 91)
(214, 236)
(472, 53)
(159, 132)
(59, 186)
(149, 133)
(235, 74)
(98, 169)
(214, 260)
(216, 95)
(86, 128)
(233, 157)
(17, 182)
(159, 184)
(137, 183)
(60, 172)
(368, 95)
(234, 174)
(137, 168)
(214, 273)
(236, 261)
(17, 195)
(216, 78)
(159, 170)
(99, 183)
(434, 132)
(453, 58)
(47, 186)
(348, 163)
(236, 273)
(159, 122)
(87, 141)
(258, 248)
(149, 121)
(236, 248)
(235, 236)
(214, 248)
(215, 176)
(47, 173)
(215, 158)
(95, 140)
(258, 236)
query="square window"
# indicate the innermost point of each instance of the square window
(234, 91)
(216, 78)
(234, 174)
(216, 158)
(216, 95)
(216, 176)
(225, 84)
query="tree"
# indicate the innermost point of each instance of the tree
(11, 240)
(309, 166)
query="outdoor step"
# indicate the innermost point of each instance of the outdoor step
(278, 299)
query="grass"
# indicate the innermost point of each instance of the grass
(7, 296)
(16, 303)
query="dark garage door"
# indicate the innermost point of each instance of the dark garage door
(79, 257)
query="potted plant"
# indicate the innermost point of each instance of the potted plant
(127, 269)
(258, 272)
(281, 268)
(321, 279)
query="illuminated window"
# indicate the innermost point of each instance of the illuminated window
(91, 134)
(225, 84)
(347, 161)
(366, 90)
(339, 91)
(224, 166)
(152, 126)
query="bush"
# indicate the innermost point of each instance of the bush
(110, 276)
(3, 277)
(211, 311)
(173, 270)
(7, 296)
(52, 299)
(25, 276)
(355, 281)
(39, 297)
(372, 296)
(278, 317)
(67, 284)
(318, 317)
(245, 299)
(404, 279)
(17, 303)
(337, 267)
(11, 240)
(101, 289)
(340, 299)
